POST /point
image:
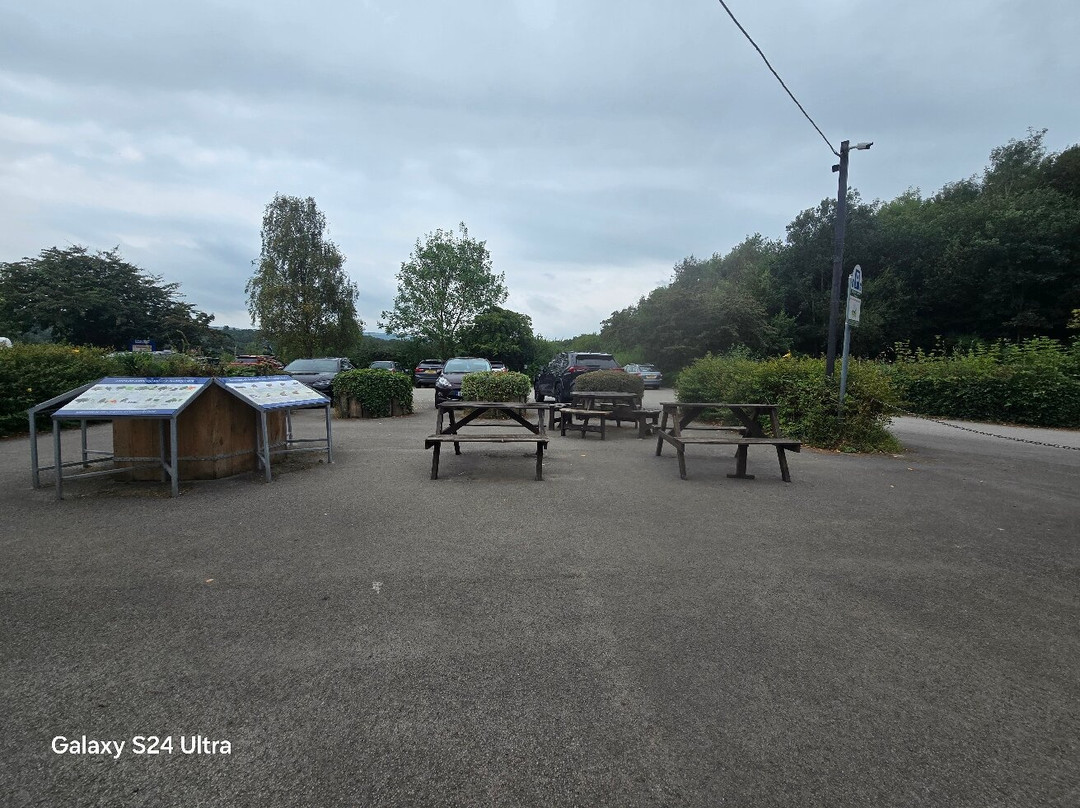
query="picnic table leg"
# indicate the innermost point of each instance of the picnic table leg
(563, 419)
(539, 461)
(740, 464)
(660, 435)
(435, 461)
(783, 464)
(603, 419)
(682, 461)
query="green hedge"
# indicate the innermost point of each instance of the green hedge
(1035, 382)
(610, 381)
(496, 385)
(374, 389)
(31, 374)
(807, 401)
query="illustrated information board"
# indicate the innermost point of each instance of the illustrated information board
(136, 397)
(273, 392)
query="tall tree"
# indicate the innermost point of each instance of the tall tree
(502, 335)
(300, 296)
(97, 298)
(446, 282)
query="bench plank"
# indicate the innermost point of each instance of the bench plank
(436, 441)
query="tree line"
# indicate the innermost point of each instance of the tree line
(984, 258)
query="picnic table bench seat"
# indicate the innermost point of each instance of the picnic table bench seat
(566, 420)
(731, 437)
(646, 420)
(436, 441)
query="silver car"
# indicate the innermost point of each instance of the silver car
(650, 374)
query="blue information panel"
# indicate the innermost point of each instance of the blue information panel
(136, 397)
(273, 392)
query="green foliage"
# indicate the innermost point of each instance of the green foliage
(492, 385)
(807, 401)
(83, 298)
(1035, 382)
(447, 281)
(502, 336)
(31, 374)
(546, 349)
(300, 295)
(610, 381)
(374, 389)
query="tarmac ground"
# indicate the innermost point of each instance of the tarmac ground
(885, 630)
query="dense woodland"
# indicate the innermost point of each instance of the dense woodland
(985, 258)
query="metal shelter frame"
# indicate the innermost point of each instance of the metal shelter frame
(263, 449)
(170, 467)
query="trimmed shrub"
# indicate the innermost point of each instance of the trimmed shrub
(807, 401)
(1035, 382)
(492, 385)
(31, 374)
(378, 392)
(610, 381)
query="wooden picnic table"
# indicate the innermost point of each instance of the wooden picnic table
(759, 424)
(602, 405)
(448, 428)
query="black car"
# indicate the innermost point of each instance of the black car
(448, 386)
(318, 374)
(427, 372)
(557, 378)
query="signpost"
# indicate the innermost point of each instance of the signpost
(854, 310)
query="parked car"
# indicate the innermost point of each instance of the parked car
(250, 359)
(318, 374)
(386, 364)
(448, 386)
(427, 372)
(500, 366)
(650, 374)
(557, 378)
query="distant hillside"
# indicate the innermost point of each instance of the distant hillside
(379, 335)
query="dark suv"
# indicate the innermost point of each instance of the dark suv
(427, 372)
(557, 379)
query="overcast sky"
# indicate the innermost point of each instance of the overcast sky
(593, 144)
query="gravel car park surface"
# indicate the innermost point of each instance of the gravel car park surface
(882, 631)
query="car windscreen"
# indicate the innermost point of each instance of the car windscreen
(466, 365)
(596, 360)
(312, 366)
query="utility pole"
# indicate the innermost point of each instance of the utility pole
(838, 258)
(838, 252)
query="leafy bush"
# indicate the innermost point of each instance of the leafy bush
(31, 374)
(1034, 382)
(149, 365)
(610, 381)
(807, 401)
(374, 389)
(492, 385)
